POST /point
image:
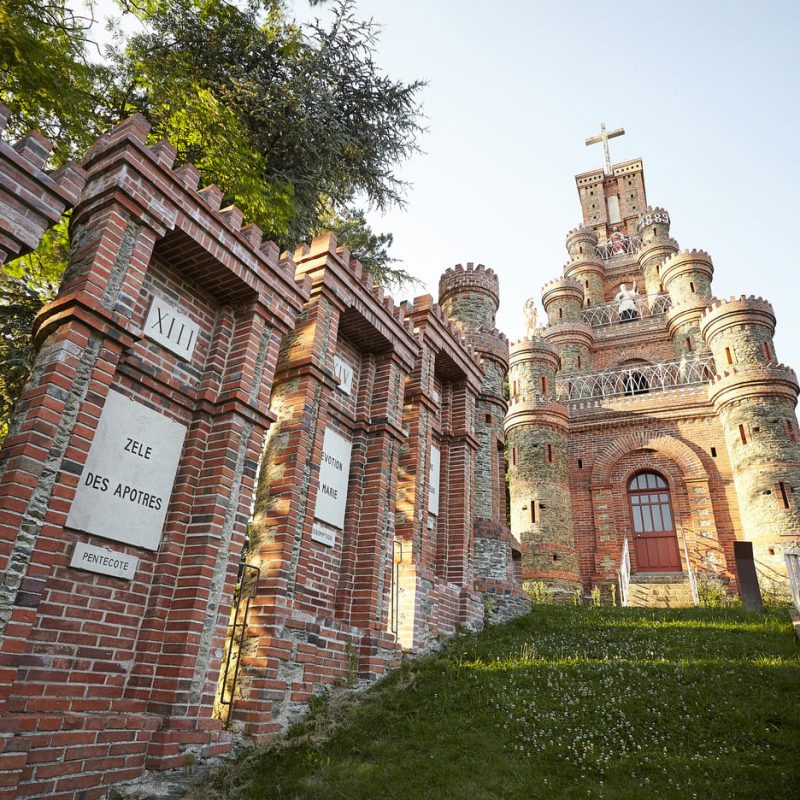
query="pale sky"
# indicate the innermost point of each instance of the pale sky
(707, 93)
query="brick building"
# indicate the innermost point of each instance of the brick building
(234, 480)
(649, 422)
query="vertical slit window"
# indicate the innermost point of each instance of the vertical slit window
(767, 351)
(543, 382)
(742, 434)
(514, 456)
(691, 286)
(548, 449)
(533, 511)
(791, 432)
(784, 496)
(728, 356)
(688, 344)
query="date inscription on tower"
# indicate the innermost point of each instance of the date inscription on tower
(129, 473)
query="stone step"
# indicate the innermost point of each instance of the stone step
(660, 591)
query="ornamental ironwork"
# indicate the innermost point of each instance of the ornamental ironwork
(618, 244)
(653, 305)
(636, 379)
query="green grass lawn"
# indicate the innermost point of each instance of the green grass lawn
(563, 703)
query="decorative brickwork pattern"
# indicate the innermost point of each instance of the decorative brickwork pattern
(104, 676)
(31, 198)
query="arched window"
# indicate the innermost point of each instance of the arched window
(635, 382)
(651, 509)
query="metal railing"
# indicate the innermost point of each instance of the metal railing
(624, 574)
(618, 245)
(690, 571)
(792, 559)
(652, 305)
(636, 380)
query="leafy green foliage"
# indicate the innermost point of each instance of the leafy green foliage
(46, 78)
(564, 703)
(25, 285)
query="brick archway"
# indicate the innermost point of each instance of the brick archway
(690, 464)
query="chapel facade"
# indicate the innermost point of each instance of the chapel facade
(652, 426)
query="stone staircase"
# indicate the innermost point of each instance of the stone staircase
(660, 590)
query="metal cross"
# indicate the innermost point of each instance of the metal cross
(604, 137)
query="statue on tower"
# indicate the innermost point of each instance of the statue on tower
(627, 303)
(531, 318)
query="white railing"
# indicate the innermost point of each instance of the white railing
(792, 558)
(624, 574)
(653, 305)
(690, 571)
(638, 379)
(618, 245)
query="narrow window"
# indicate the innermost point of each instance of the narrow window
(784, 496)
(488, 419)
(791, 433)
(661, 287)
(728, 355)
(560, 313)
(767, 350)
(533, 511)
(580, 463)
(580, 250)
(688, 344)
(587, 284)
(691, 286)
(549, 452)
(658, 268)
(543, 380)
(514, 456)
(579, 362)
(742, 434)
(713, 452)
(514, 388)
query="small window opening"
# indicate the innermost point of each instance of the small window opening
(728, 355)
(514, 388)
(514, 456)
(784, 496)
(555, 557)
(771, 551)
(742, 434)
(533, 511)
(549, 452)
(587, 284)
(579, 362)
(713, 452)
(488, 419)
(791, 432)
(767, 351)
(691, 286)
(688, 344)
(560, 313)
(580, 463)
(543, 382)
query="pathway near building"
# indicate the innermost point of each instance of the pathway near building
(566, 702)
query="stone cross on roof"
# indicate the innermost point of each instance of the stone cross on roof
(604, 137)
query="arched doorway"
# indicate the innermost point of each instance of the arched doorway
(653, 523)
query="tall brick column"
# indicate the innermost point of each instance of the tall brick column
(434, 552)
(321, 612)
(172, 312)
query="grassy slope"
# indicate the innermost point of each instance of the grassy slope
(564, 703)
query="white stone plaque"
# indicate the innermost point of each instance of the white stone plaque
(129, 473)
(344, 372)
(334, 472)
(323, 534)
(167, 326)
(104, 561)
(433, 481)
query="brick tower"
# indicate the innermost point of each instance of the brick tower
(470, 297)
(755, 397)
(638, 406)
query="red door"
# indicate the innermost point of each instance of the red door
(655, 541)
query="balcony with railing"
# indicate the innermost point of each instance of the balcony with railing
(652, 305)
(638, 379)
(618, 245)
